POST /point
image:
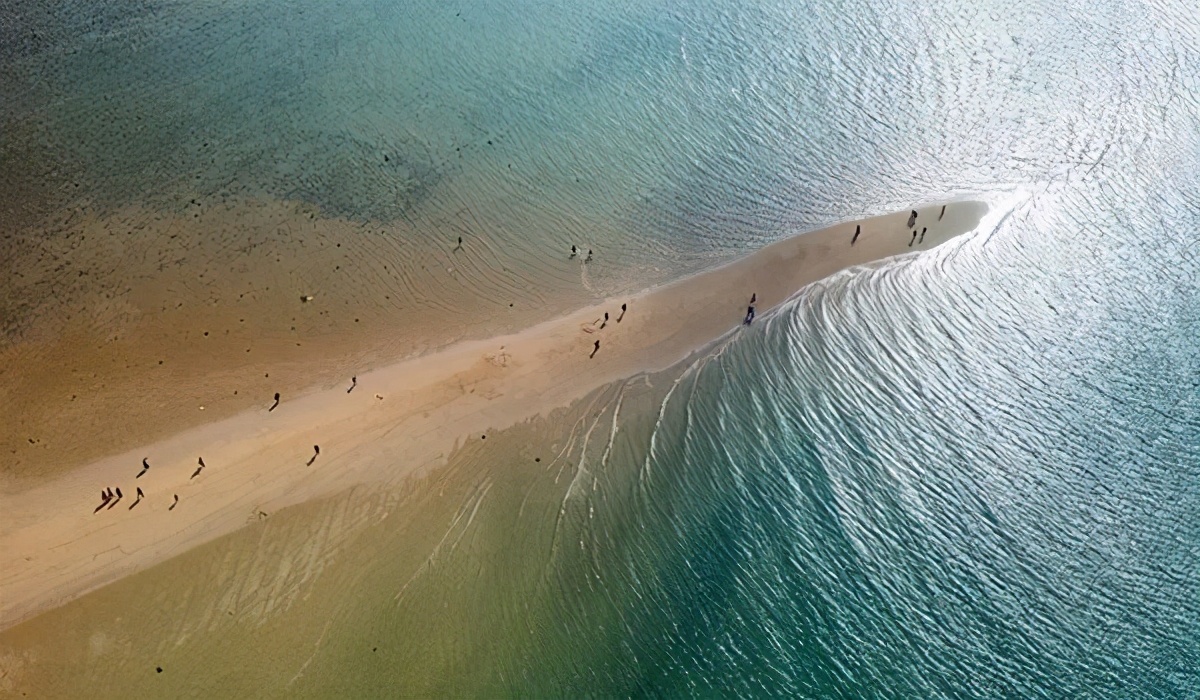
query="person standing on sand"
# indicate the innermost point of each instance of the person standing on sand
(589, 257)
(914, 238)
(272, 408)
(316, 451)
(922, 238)
(943, 212)
(857, 230)
(574, 252)
(595, 350)
(749, 315)
(912, 218)
(353, 383)
(175, 502)
(459, 246)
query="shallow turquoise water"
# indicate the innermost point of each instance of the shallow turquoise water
(970, 474)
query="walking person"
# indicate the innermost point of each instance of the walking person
(595, 350)
(857, 230)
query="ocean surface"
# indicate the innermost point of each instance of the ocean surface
(974, 473)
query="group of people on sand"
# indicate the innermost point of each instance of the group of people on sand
(917, 237)
(596, 346)
(110, 496)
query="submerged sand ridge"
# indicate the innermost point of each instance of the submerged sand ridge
(55, 548)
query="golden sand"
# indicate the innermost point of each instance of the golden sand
(54, 548)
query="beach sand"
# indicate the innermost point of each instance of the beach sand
(117, 327)
(400, 421)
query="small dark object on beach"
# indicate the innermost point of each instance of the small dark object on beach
(912, 218)
(857, 230)
(272, 408)
(595, 350)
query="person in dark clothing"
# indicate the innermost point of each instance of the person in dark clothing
(595, 350)
(857, 230)
(912, 218)
(272, 408)
(749, 315)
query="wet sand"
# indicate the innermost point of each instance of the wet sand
(116, 329)
(413, 413)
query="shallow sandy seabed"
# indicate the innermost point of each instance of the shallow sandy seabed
(377, 443)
